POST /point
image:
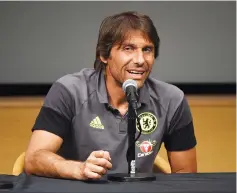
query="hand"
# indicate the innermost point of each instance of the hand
(96, 165)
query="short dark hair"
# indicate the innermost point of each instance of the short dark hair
(113, 30)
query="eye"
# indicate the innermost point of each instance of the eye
(148, 49)
(128, 48)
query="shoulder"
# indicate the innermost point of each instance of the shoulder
(77, 79)
(79, 82)
(168, 95)
(74, 87)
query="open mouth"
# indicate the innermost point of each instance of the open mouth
(135, 72)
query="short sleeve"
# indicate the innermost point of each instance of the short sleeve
(57, 111)
(180, 135)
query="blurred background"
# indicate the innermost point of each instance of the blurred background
(42, 41)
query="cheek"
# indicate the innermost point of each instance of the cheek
(150, 63)
(122, 58)
(120, 62)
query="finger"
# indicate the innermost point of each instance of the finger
(92, 175)
(99, 161)
(97, 169)
(98, 154)
(102, 162)
(107, 155)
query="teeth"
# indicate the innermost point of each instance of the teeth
(135, 72)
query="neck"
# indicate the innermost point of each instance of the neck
(116, 95)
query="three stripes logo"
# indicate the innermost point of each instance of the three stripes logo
(96, 123)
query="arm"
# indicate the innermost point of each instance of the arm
(183, 161)
(162, 165)
(52, 125)
(41, 159)
(180, 141)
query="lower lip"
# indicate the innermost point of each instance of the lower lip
(135, 76)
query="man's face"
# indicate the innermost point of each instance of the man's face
(133, 59)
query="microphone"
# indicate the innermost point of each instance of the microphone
(130, 88)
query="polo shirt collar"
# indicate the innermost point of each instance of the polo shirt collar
(144, 94)
(101, 87)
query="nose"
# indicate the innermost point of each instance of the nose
(139, 58)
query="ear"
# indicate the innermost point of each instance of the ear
(103, 59)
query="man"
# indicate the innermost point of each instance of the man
(81, 130)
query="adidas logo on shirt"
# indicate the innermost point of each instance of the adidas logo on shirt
(96, 123)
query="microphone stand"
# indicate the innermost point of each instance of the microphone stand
(131, 175)
(131, 140)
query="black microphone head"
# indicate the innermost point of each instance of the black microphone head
(129, 82)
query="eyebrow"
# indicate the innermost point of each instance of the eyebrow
(133, 45)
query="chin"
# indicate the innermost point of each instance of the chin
(140, 83)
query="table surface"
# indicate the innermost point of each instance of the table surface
(164, 183)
